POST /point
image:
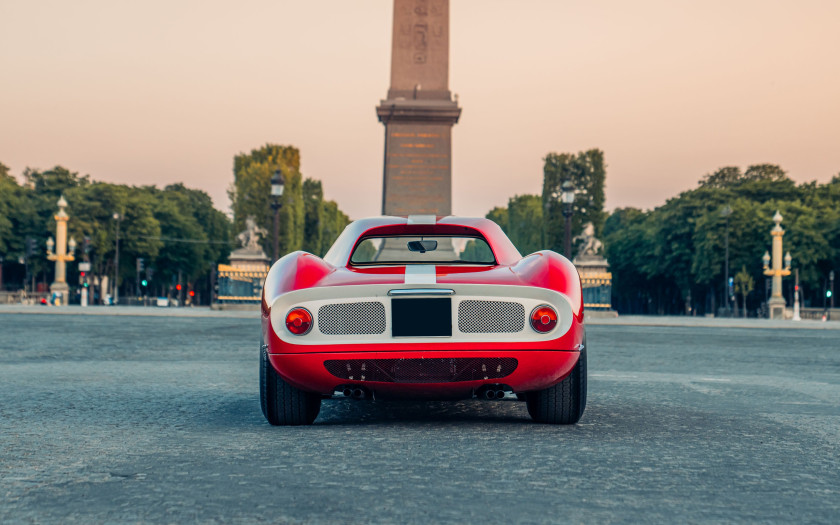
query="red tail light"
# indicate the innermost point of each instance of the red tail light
(543, 318)
(299, 321)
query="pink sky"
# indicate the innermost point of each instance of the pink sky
(156, 92)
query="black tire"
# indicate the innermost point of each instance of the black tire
(281, 403)
(563, 403)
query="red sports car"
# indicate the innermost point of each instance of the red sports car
(422, 307)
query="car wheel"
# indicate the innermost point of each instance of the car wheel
(563, 403)
(281, 403)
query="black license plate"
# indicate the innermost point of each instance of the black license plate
(421, 317)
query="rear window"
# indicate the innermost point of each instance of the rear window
(434, 249)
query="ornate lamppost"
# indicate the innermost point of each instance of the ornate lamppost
(277, 185)
(776, 302)
(117, 219)
(725, 212)
(61, 256)
(568, 199)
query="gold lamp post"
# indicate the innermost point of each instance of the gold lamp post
(776, 302)
(61, 256)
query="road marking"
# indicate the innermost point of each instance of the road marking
(420, 274)
(422, 219)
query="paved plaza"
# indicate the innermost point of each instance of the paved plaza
(155, 418)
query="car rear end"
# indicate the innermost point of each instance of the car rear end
(429, 308)
(442, 341)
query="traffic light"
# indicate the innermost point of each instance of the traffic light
(86, 245)
(30, 246)
(141, 264)
(178, 287)
(828, 294)
(144, 283)
(192, 293)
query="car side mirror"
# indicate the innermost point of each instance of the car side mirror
(422, 246)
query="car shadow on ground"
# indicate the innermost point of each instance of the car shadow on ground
(365, 412)
(245, 411)
(605, 415)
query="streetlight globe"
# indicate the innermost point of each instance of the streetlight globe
(277, 184)
(50, 245)
(788, 260)
(116, 216)
(71, 245)
(568, 195)
(766, 259)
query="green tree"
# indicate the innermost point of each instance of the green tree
(92, 208)
(744, 284)
(671, 259)
(525, 223)
(587, 172)
(333, 223)
(250, 194)
(9, 201)
(628, 243)
(313, 200)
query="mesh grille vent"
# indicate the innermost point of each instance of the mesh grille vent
(352, 318)
(490, 317)
(435, 370)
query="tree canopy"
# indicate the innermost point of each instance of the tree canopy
(176, 230)
(671, 259)
(307, 221)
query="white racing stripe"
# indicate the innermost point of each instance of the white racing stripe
(422, 219)
(420, 274)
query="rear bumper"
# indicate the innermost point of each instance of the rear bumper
(539, 364)
(535, 370)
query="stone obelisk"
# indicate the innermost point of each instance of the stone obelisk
(419, 112)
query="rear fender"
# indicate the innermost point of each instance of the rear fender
(548, 269)
(294, 271)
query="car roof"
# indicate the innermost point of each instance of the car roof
(504, 250)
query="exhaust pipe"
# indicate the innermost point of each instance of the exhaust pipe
(347, 392)
(358, 393)
(490, 394)
(500, 394)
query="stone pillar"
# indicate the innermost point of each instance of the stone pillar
(776, 303)
(419, 112)
(61, 255)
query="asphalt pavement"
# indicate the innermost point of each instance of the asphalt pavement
(156, 418)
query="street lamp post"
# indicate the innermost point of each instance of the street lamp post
(568, 199)
(726, 212)
(277, 185)
(776, 302)
(117, 219)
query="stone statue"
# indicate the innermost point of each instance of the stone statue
(590, 245)
(250, 238)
